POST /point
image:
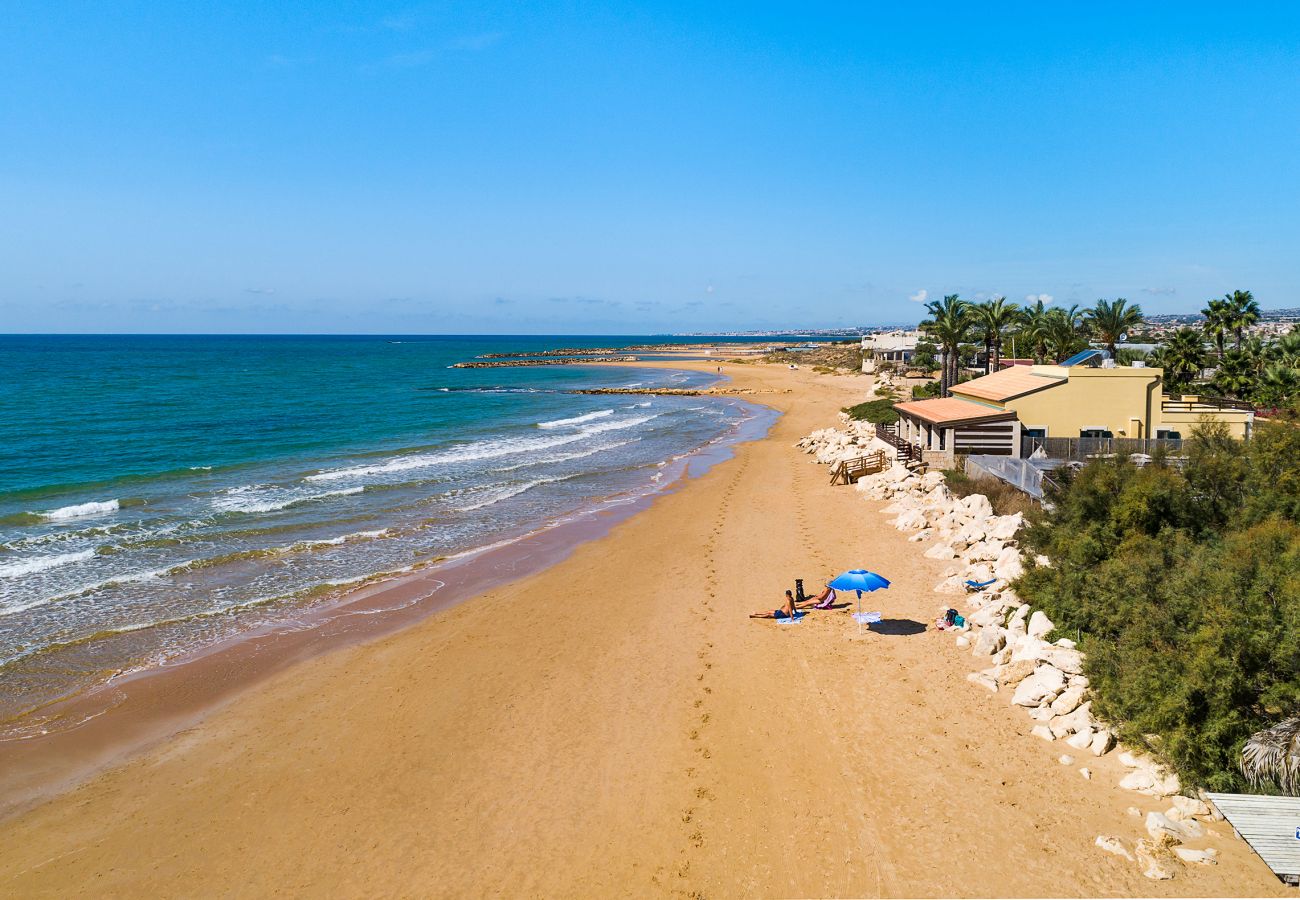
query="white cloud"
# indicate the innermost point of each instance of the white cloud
(256, 290)
(1160, 291)
(920, 296)
(1034, 298)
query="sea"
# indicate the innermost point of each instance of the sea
(160, 494)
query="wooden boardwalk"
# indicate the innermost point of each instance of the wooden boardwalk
(1270, 825)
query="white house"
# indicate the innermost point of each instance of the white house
(889, 346)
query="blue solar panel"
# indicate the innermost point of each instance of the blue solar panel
(1082, 356)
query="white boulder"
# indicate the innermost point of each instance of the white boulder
(1068, 701)
(941, 551)
(1039, 625)
(1155, 862)
(978, 506)
(989, 641)
(1081, 740)
(1187, 807)
(1113, 845)
(1004, 528)
(1040, 687)
(1208, 857)
(1015, 672)
(1102, 743)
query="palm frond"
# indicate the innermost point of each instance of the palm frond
(1272, 757)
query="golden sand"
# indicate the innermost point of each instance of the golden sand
(616, 725)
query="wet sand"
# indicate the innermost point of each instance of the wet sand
(616, 725)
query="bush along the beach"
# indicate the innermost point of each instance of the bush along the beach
(1185, 590)
(879, 412)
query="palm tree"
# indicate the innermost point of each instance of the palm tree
(1279, 383)
(1287, 348)
(1272, 757)
(1243, 312)
(1037, 329)
(1235, 375)
(992, 318)
(1259, 353)
(1216, 326)
(1063, 336)
(1110, 319)
(1183, 356)
(950, 319)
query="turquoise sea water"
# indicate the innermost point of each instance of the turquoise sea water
(159, 493)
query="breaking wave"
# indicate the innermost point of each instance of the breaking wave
(576, 420)
(81, 510)
(489, 449)
(33, 564)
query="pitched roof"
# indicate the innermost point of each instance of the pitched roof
(952, 411)
(1007, 384)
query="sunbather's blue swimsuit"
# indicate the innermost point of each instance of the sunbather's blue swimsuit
(779, 614)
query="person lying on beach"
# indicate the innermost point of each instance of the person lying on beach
(824, 600)
(786, 610)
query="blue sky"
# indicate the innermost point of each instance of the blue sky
(562, 167)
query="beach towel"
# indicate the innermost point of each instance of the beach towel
(866, 618)
(798, 616)
(828, 602)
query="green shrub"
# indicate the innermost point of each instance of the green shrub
(1184, 589)
(925, 391)
(881, 412)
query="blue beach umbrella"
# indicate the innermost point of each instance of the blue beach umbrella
(860, 580)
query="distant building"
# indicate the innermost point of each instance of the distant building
(1019, 409)
(892, 346)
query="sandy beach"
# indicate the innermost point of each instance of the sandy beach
(616, 725)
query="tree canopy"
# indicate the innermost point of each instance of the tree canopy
(1184, 590)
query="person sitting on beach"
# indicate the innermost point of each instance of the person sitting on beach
(824, 600)
(786, 611)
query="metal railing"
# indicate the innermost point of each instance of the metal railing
(907, 451)
(1084, 449)
(1176, 403)
(1018, 473)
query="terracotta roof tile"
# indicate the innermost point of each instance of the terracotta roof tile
(1006, 384)
(945, 410)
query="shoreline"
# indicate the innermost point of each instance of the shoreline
(616, 724)
(127, 715)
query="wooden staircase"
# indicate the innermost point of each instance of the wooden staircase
(847, 471)
(908, 454)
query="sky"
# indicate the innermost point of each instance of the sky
(636, 168)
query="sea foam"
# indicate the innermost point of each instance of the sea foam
(33, 564)
(489, 449)
(576, 420)
(81, 510)
(508, 491)
(253, 499)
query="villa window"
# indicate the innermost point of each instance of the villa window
(1034, 432)
(1168, 434)
(1096, 433)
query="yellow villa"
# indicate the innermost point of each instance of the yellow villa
(1022, 409)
